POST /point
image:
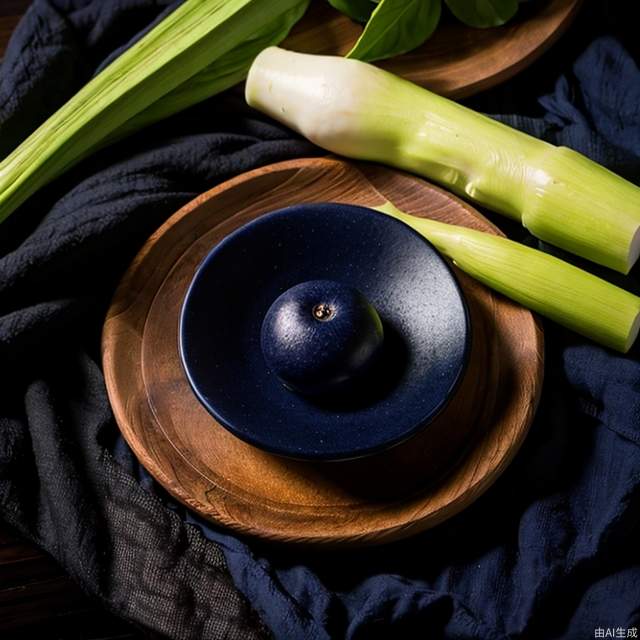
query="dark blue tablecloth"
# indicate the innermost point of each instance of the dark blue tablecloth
(550, 551)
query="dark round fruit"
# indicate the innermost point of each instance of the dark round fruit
(320, 335)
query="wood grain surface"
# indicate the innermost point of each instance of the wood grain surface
(366, 501)
(457, 61)
(39, 600)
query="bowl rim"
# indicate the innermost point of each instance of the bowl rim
(350, 453)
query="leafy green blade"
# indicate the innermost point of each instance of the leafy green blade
(189, 40)
(395, 27)
(222, 74)
(358, 10)
(483, 13)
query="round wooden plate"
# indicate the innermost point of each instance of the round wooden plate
(371, 500)
(457, 61)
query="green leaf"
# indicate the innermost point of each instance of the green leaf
(395, 27)
(483, 13)
(221, 74)
(359, 10)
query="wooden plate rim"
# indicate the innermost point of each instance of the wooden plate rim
(208, 511)
(548, 21)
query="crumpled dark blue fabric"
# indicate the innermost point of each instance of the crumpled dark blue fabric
(61, 256)
(550, 551)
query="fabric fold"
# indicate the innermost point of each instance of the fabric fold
(550, 551)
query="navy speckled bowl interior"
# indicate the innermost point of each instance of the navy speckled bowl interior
(427, 332)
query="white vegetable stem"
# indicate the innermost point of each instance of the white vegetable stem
(357, 110)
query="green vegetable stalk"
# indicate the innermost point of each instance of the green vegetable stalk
(570, 296)
(395, 27)
(223, 73)
(363, 112)
(203, 47)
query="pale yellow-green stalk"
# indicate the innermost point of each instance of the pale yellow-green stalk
(357, 110)
(556, 289)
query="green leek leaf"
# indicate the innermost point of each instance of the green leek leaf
(358, 10)
(483, 13)
(395, 27)
(196, 51)
(223, 73)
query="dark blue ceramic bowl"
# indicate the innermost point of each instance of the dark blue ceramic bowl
(423, 312)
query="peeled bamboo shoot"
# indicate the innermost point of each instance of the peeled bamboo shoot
(357, 110)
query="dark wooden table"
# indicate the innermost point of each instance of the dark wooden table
(10, 12)
(37, 598)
